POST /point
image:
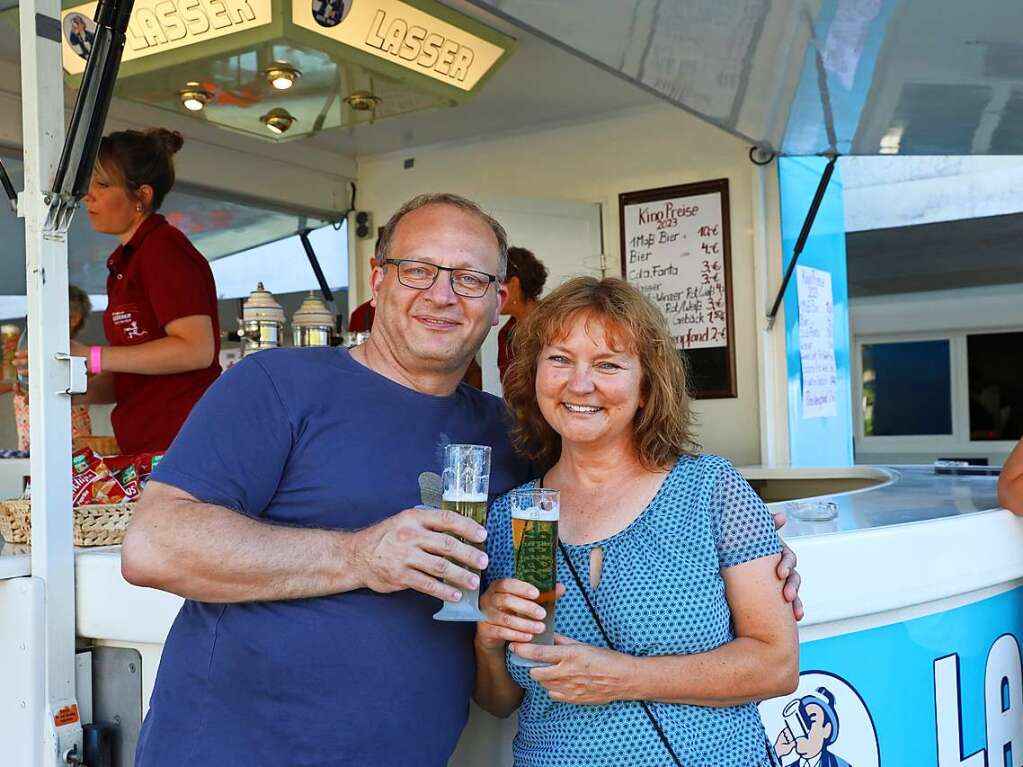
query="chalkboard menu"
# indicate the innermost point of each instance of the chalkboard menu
(676, 249)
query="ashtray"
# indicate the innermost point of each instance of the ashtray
(812, 510)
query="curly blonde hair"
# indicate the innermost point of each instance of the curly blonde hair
(662, 428)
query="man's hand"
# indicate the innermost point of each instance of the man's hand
(512, 614)
(787, 571)
(579, 673)
(412, 549)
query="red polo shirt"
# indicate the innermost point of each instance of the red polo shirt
(154, 279)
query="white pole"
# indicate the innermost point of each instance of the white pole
(42, 90)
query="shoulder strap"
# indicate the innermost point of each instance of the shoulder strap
(607, 640)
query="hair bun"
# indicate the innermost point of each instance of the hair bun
(171, 140)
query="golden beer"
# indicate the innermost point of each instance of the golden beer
(535, 541)
(475, 508)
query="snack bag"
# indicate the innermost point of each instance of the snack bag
(92, 482)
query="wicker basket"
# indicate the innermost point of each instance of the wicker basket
(101, 525)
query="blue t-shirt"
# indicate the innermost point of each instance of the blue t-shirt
(310, 437)
(660, 593)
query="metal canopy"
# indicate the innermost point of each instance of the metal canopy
(910, 77)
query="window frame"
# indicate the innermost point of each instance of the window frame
(959, 440)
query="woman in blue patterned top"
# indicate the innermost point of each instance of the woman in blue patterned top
(674, 549)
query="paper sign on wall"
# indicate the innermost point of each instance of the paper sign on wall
(817, 342)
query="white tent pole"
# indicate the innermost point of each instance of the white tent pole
(42, 89)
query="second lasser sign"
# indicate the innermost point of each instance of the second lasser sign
(676, 249)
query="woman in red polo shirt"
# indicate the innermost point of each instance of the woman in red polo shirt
(161, 317)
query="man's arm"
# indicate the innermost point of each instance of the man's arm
(1010, 482)
(210, 553)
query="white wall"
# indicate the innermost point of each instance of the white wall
(593, 162)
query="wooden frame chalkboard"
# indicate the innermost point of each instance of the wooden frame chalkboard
(676, 248)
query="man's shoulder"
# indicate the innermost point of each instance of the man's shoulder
(483, 401)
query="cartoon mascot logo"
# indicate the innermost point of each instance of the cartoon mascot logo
(827, 724)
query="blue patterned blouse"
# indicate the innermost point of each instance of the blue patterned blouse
(660, 593)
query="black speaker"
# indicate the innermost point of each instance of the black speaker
(363, 224)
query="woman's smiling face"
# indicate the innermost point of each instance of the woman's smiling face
(589, 387)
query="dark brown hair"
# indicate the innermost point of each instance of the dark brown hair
(662, 427)
(528, 268)
(383, 245)
(78, 300)
(138, 158)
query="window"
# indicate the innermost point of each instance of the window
(907, 388)
(995, 377)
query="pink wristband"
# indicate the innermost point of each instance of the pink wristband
(95, 360)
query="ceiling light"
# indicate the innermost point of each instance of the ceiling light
(281, 75)
(362, 101)
(194, 97)
(277, 120)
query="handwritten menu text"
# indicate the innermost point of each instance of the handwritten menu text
(675, 254)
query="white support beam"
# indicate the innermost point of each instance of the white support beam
(56, 724)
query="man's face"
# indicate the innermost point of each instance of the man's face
(435, 329)
(819, 732)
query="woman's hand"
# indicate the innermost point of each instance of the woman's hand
(512, 614)
(80, 350)
(579, 673)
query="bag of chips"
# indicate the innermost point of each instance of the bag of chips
(92, 482)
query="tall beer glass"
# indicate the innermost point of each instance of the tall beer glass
(466, 483)
(534, 519)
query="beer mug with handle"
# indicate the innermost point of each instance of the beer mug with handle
(466, 484)
(534, 517)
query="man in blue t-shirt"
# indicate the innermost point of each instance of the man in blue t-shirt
(284, 514)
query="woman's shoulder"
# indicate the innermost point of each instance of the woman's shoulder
(165, 238)
(701, 466)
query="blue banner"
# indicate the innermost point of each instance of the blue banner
(945, 690)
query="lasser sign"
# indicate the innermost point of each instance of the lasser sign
(402, 35)
(158, 26)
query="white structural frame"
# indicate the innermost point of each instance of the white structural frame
(57, 728)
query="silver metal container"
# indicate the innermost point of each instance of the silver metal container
(312, 324)
(262, 323)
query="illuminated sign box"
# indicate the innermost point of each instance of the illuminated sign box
(408, 55)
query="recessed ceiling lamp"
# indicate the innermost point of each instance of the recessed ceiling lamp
(194, 97)
(281, 75)
(277, 120)
(362, 101)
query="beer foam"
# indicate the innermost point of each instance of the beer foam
(536, 513)
(454, 496)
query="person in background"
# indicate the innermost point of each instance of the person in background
(161, 318)
(525, 281)
(679, 601)
(1010, 481)
(362, 318)
(79, 307)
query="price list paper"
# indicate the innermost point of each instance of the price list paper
(674, 251)
(817, 342)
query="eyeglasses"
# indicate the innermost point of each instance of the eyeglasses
(420, 275)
